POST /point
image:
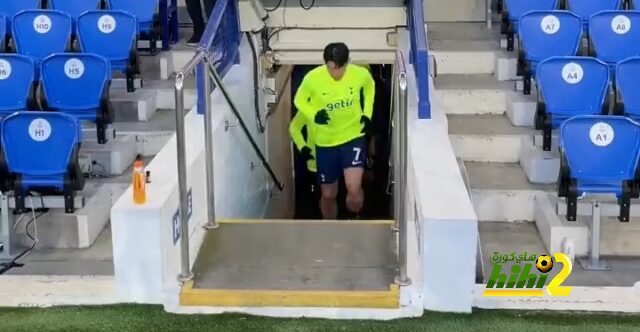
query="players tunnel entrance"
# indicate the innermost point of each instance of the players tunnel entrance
(376, 182)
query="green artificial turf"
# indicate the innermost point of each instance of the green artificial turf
(153, 318)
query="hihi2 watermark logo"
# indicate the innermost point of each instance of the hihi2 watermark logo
(522, 282)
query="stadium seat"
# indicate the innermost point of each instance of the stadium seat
(599, 155)
(39, 33)
(111, 34)
(569, 86)
(627, 85)
(78, 84)
(74, 7)
(18, 84)
(40, 153)
(544, 34)
(11, 7)
(615, 36)
(144, 10)
(586, 8)
(3, 33)
(513, 11)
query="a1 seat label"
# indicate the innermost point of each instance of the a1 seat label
(39, 130)
(5, 69)
(572, 73)
(74, 68)
(106, 24)
(550, 24)
(621, 24)
(601, 134)
(42, 24)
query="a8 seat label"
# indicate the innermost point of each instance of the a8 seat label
(42, 24)
(621, 24)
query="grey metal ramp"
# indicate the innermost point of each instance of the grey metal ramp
(298, 255)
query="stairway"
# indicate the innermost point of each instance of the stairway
(491, 130)
(296, 263)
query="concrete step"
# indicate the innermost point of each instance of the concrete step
(149, 137)
(310, 264)
(505, 239)
(617, 238)
(487, 138)
(472, 94)
(501, 191)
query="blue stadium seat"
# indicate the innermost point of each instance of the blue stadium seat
(74, 7)
(40, 151)
(615, 36)
(586, 8)
(39, 33)
(78, 84)
(3, 33)
(111, 34)
(627, 85)
(17, 83)
(513, 11)
(545, 34)
(569, 86)
(599, 155)
(11, 7)
(145, 11)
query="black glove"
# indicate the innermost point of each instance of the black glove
(366, 125)
(306, 154)
(322, 117)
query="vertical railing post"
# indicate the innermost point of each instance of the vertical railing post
(401, 174)
(208, 137)
(185, 271)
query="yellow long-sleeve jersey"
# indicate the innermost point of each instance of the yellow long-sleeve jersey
(341, 100)
(298, 122)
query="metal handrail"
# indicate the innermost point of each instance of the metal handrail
(216, 78)
(204, 62)
(400, 165)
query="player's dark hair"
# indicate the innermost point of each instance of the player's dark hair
(337, 53)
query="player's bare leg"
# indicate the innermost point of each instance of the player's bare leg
(328, 204)
(355, 194)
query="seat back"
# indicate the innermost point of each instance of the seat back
(628, 84)
(39, 33)
(17, 73)
(74, 81)
(74, 7)
(3, 31)
(517, 8)
(143, 10)
(111, 34)
(615, 35)
(545, 34)
(38, 143)
(12, 7)
(586, 8)
(601, 149)
(573, 85)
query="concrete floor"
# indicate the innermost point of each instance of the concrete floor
(506, 238)
(297, 256)
(96, 260)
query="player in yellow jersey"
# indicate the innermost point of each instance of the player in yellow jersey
(329, 98)
(307, 147)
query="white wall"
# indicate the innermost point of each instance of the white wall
(145, 258)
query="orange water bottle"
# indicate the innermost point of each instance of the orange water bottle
(139, 183)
